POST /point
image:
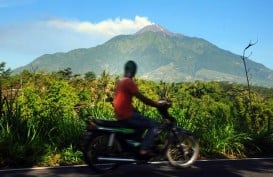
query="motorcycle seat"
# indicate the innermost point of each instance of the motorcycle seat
(109, 123)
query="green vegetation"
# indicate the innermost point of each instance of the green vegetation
(42, 115)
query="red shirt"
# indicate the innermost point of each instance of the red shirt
(125, 90)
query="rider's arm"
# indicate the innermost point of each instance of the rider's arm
(146, 100)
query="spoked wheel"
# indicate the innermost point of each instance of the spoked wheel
(184, 152)
(98, 147)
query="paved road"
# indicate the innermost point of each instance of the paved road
(222, 168)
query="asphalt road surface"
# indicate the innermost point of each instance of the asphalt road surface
(216, 168)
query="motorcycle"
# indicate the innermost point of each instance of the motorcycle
(109, 144)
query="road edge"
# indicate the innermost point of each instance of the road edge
(159, 162)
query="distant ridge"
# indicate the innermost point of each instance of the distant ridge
(160, 55)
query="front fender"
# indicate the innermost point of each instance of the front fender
(178, 130)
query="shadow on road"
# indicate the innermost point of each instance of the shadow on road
(234, 168)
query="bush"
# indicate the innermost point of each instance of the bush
(40, 125)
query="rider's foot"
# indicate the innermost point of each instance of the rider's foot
(145, 152)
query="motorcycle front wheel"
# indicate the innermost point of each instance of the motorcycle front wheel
(98, 147)
(183, 152)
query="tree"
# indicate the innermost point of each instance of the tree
(90, 76)
(3, 72)
(66, 73)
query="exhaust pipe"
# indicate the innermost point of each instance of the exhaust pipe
(114, 159)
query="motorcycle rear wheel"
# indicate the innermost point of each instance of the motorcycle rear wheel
(98, 147)
(183, 152)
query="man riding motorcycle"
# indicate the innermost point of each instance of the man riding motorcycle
(125, 90)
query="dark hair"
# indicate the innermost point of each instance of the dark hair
(130, 68)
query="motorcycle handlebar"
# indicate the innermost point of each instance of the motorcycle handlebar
(165, 104)
(163, 109)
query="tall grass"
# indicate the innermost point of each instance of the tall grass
(224, 140)
(20, 141)
(33, 127)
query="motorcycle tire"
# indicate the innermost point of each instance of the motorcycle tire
(183, 152)
(96, 147)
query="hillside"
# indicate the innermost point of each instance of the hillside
(160, 55)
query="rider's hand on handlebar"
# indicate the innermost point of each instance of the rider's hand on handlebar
(163, 103)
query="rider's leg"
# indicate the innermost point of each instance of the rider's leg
(139, 121)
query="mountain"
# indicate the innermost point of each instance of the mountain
(160, 55)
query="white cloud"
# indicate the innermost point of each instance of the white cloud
(107, 28)
(58, 35)
(62, 35)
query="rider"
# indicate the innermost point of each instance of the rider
(125, 90)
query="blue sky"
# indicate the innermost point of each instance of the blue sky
(31, 28)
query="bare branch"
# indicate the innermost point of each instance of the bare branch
(249, 55)
(247, 70)
(251, 44)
